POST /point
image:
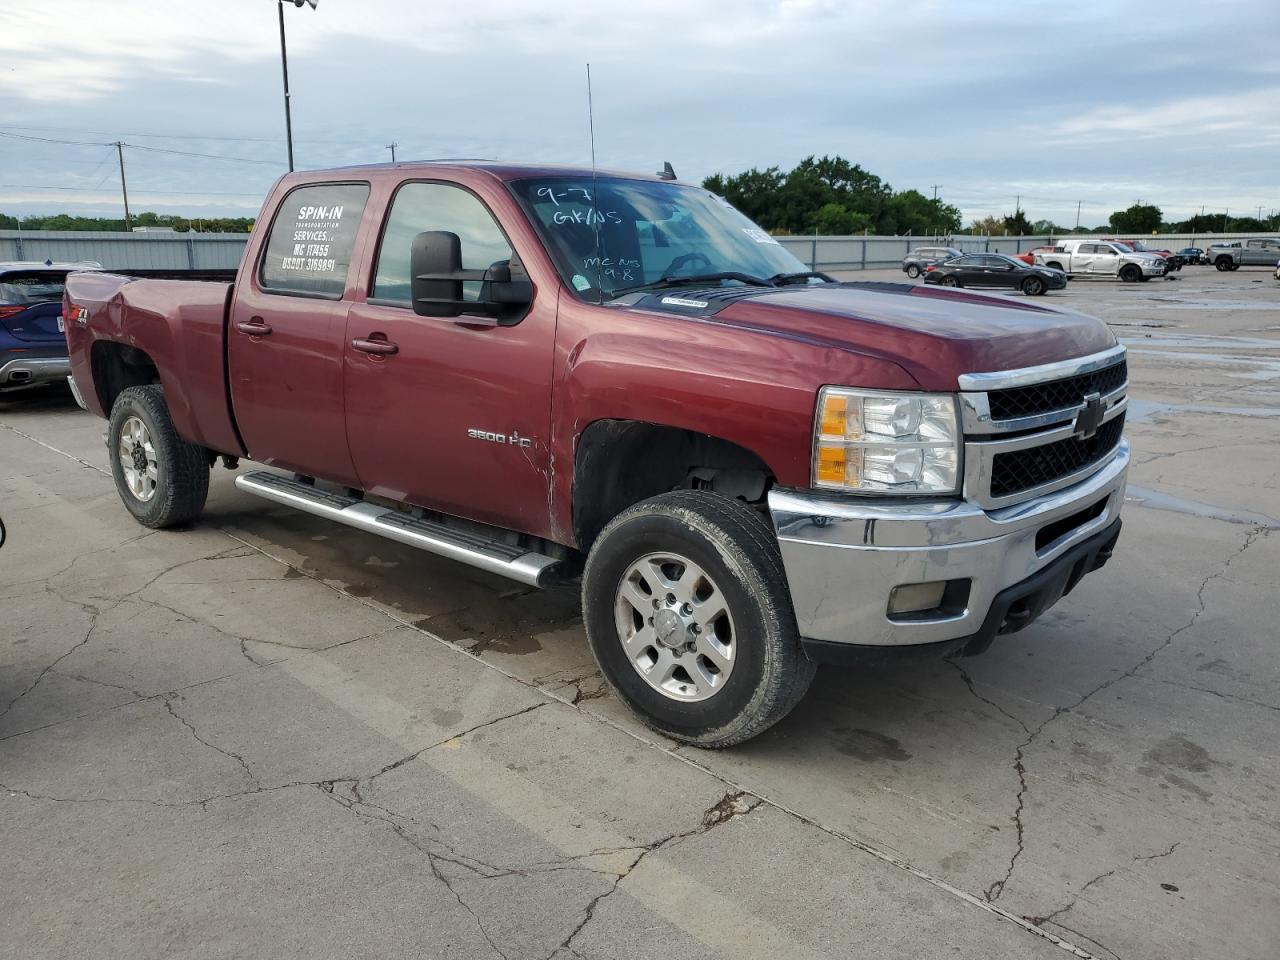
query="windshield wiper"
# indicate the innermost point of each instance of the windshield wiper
(663, 282)
(782, 279)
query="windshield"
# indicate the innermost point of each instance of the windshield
(644, 232)
(1122, 247)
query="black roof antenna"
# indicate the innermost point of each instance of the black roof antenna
(593, 213)
(667, 173)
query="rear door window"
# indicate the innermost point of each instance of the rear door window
(312, 239)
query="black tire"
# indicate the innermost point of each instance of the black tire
(948, 282)
(1131, 273)
(1223, 264)
(737, 549)
(1033, 287)
(1235, 266)
(181, 481)
(1056, 266)
(913, 271)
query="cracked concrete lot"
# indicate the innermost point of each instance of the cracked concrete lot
(270, 736)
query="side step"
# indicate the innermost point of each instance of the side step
(502, 558)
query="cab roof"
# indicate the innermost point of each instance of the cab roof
(501, 169)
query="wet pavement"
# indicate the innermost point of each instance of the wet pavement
(270, 735)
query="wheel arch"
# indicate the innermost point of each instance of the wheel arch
(116, 367)
(618, 463)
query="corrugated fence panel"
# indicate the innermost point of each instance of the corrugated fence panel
(127, 251)
(222, 251)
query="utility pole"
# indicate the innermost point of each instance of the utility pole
(935, 190)
(1078, 203)
(392, 147)
(1017, 205)
(284, 67)
(1259, 211)
(128, 221)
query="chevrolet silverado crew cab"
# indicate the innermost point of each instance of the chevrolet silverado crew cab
(550, 373)
(1102, 258)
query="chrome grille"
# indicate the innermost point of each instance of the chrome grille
(1032, 467)
(1056, 394)
(1022, 439)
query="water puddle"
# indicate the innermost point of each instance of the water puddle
(1171, 303)
(1203, 341)
(1143, 411)
(1154, 500)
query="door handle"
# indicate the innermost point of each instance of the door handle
(255, 327)
(376, 344)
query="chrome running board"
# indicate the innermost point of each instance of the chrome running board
(476, 550)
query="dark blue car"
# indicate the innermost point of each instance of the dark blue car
(33, 347)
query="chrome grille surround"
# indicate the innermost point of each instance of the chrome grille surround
(986, 437)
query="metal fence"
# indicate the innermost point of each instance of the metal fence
(222, 251)
(844, 254)
(127, 251)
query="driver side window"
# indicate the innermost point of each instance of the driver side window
(418, 207)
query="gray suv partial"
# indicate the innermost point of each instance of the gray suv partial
(922, 258)
(1257, 252)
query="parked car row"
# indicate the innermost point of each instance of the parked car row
(1129, 260)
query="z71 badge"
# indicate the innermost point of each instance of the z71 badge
(512, 439)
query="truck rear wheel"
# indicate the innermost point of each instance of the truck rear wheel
(162, 479)
(687, 611)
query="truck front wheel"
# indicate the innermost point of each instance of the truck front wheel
(1131, 273)
(687, 611)
(162, 479)
(1223, 264)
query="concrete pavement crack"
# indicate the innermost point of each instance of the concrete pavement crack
(1052, 917)
(994, 891)
(355, 806)
(45, 672)
(729, 807)
(229, 754)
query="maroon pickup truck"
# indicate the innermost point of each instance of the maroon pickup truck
(549, 373)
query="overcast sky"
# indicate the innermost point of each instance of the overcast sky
(1174, 103)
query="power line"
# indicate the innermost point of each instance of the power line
(137, 146)
(173, 136)
(139, 192)
(206, 156)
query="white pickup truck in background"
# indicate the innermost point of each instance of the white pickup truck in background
(1101, 258)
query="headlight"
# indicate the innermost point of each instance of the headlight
(886, 442)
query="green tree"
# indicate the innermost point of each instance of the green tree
(1016, 224)
(835, 219)
(1139, 218)
(831, 195)
(989, 225)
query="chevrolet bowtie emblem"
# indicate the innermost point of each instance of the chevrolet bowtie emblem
(1089, 419)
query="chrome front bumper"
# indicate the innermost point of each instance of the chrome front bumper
(844, 557)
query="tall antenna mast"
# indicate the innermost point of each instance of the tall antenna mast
(591, 128)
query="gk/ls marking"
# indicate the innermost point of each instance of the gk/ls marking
(512, 439)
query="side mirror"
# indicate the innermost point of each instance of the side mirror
(435, 274)
(436, 279)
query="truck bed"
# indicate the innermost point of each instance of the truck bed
(183, 326)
